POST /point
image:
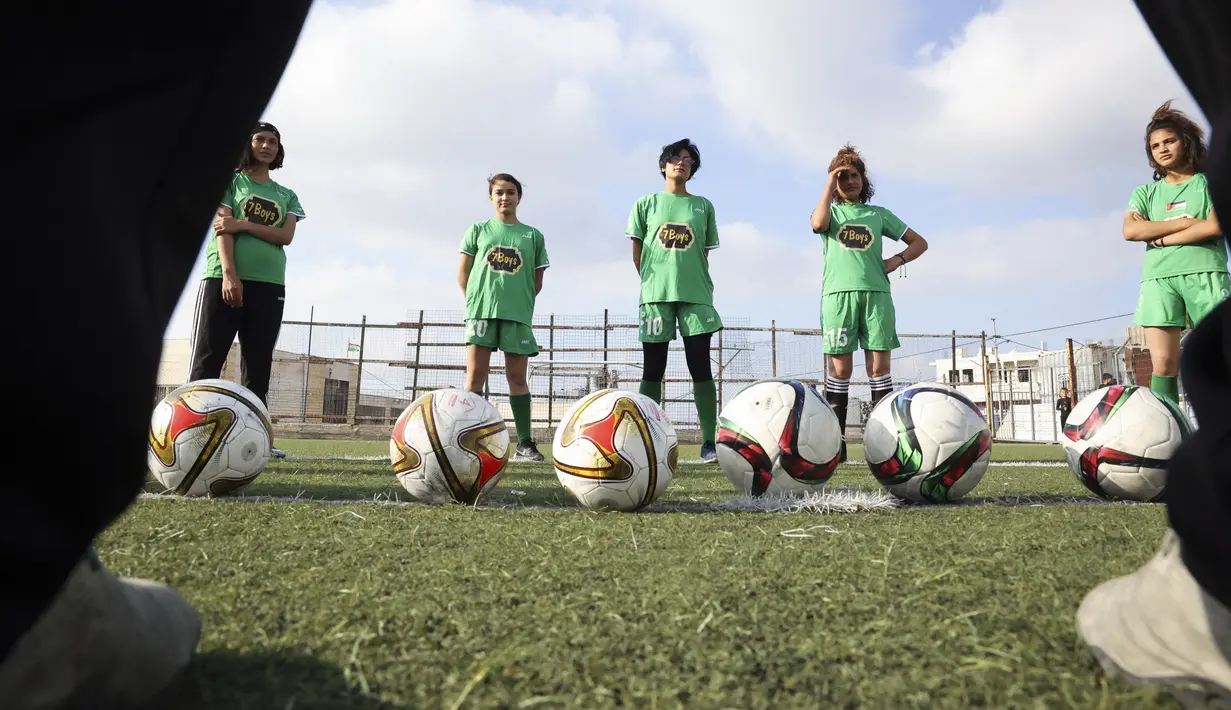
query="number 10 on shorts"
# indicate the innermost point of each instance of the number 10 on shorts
(835, 338)
(651, 325)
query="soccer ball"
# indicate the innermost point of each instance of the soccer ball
(778, 436)
(927, 443)
(449, 445)
(615, 450)
(209, 437)
(1118, 439)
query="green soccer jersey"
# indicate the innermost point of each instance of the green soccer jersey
(266, 203)
(506, 258)
(852, 247)
(676, 233)
(1160, 201)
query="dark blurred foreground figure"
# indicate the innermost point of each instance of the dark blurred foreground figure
(125, 128)
(1169, 623)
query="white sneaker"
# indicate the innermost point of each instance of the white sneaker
(104, 642)
(1158, 627)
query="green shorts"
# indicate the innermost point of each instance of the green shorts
(503, 335)
(658, 321)
(1165, 302)
(852, 320)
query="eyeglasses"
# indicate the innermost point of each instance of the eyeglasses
(677, 160)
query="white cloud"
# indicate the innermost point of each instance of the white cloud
(1035, 96)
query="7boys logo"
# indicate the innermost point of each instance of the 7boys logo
(261, 210)
(856, 237)
(505, 260)
(675, 236)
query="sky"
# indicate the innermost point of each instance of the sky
(1008, 133)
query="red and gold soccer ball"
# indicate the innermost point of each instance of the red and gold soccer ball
(209, 438)
(615, 450)
(449, 446)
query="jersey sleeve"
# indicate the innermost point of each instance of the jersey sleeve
(228, 197)
(711, 227)
(891, 226)
(833, 219)
(293, 207)
(470, 242)
(1139, 201)
(636, 221)
(540, 251)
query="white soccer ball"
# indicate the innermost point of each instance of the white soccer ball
(1118, 440)
(778, 436)
(927, 443)
(615, 450)
(209, 437)
(449, 446)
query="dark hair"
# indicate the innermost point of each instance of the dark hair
(1190, 134)
(673, 149)
(491, 182)
(248, 158)
(848, 156)
(1106, 376)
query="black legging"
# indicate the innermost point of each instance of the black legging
(696, 353)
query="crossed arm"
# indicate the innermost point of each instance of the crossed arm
(1171, 233)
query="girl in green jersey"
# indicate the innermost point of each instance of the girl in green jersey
(673, 232)
(501, 273)
(244, 287)
(856, 305)
(1185, 271)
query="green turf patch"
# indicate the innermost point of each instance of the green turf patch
(338, 605)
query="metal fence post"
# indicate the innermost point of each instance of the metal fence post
(307, 368)
(1072, 371)
(551, 371)
(773, 346)
(414, 378)
(987, 384)
(1030, 388)
(363, 330)
(955, 377)
(720, 358)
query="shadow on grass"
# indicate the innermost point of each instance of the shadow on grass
(272, 680)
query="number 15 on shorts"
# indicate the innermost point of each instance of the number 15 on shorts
(835, 338)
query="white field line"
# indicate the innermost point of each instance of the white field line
(821, 502)
(851, 462)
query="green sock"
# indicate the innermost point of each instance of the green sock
(706, 397)
(653, 390)
(520, 403)
(1168, 387)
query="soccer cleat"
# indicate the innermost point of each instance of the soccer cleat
(104, 642)
(527, 452)
(276, 453)
(1158, 627)
(709, 452)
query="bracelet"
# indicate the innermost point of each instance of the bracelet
(903, 258)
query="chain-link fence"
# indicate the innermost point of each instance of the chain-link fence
(366, 373)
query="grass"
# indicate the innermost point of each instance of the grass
(353, 605)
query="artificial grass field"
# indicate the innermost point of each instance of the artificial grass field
(355, 605)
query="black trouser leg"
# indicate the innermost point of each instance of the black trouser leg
(215, 325)
(1199, 477)
(258, 334)
(126, 133)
